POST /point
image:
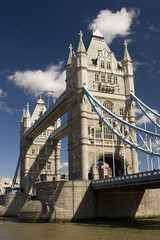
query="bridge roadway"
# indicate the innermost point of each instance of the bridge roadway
(143, 180)
(52, 114)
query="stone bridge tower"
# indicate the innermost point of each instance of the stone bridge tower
(110, 82)
(39, 157)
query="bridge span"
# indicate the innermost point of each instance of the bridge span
(143, 180)
(56, 110)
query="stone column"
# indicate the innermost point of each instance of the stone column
(84, 141)
(134, 158)
(57, 159)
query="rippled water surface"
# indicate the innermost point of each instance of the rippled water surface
(11, 229)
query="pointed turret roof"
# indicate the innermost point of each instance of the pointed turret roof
(81, 47)
(27, 111)
(39, 109)
(126, 56)
(70, 55)
(97, 43)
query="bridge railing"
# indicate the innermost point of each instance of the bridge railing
(127, 179)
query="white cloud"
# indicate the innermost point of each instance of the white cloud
(65, 164)
(137, 64)
(4, 108)
(141, 119)
(114, 24)
(2, 93)
(37, 82)
(64, 167)
(154, 28)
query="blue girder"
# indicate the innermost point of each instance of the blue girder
(144, 107)
(145, 136)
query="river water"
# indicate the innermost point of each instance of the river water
(11, 229)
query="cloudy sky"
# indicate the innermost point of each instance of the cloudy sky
(35, 36)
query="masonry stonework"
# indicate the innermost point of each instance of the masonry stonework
(110, 82)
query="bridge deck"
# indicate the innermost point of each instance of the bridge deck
(144, 180)
(52, 114)
(60, 132)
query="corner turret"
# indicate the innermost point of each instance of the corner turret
(127, 62)
(81, 62)
(128, 71)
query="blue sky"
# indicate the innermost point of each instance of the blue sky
(35, 36)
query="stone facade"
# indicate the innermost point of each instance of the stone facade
(110, 82)
(39, 157)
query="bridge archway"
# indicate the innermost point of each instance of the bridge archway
(112, 167)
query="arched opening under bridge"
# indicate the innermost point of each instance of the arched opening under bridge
(109, 167)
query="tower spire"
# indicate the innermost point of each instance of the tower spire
(27, 111)
(81, 47)
(126, 56)
(70, 55)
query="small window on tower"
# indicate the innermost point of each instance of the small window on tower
(103, 78)
(102, 64)
(115, 79)
(108, 65)
(96, 77)
(33, 151)
(48, 165)
(98, 133)
(109, 79)
(121, 111)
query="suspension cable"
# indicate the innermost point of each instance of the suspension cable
(94, 145)
(104, 172)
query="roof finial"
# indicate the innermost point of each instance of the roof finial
(81, 47)
(27, 111)
(80, 34)
(125, 43)
(126, 56)
(70, 47)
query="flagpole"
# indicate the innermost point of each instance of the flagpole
(48, 96)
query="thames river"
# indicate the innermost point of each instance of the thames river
(11, 229)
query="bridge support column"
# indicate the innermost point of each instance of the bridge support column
(26, 176)
(57, 159)
(84, 142)
(133, 151)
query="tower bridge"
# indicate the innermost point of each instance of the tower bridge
(103, 142)
(103, 138)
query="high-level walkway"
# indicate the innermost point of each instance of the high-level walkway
(143, 180)
(56, 110)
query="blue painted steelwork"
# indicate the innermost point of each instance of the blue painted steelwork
(124, 129)
(145, 108)
(144, 178)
